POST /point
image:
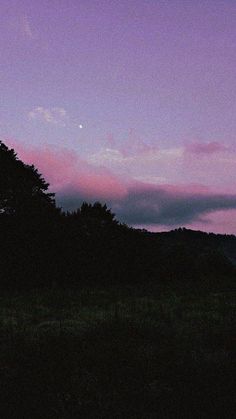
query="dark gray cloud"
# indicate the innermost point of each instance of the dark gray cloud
(71, 201)
(166, 208)
(158, 205)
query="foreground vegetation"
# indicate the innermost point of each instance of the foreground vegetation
(98, 320)
(118, 353)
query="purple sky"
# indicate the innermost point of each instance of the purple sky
(128, 102)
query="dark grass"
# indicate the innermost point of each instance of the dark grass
(97, 353)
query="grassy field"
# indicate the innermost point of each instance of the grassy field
(118, 353)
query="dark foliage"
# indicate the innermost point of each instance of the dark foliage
(23, 191)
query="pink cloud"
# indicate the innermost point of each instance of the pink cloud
(95, 185)
(208, 148)
(219, 222)
(138, 148)
(67, 172)
(133, 145)
(110, 140)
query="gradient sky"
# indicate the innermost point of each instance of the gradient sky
(129, 102)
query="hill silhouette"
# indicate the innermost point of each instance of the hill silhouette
(42, 245)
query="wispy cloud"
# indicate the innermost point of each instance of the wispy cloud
(55, 115)
(212, 164)
(206, 148)
(151, 163)
(27, 27)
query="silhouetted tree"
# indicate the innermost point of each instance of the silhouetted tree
(28, 223)
(97, 214)
(23, 191)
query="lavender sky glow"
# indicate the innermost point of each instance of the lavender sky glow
(132, 103)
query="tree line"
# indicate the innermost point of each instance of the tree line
(41, 245)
